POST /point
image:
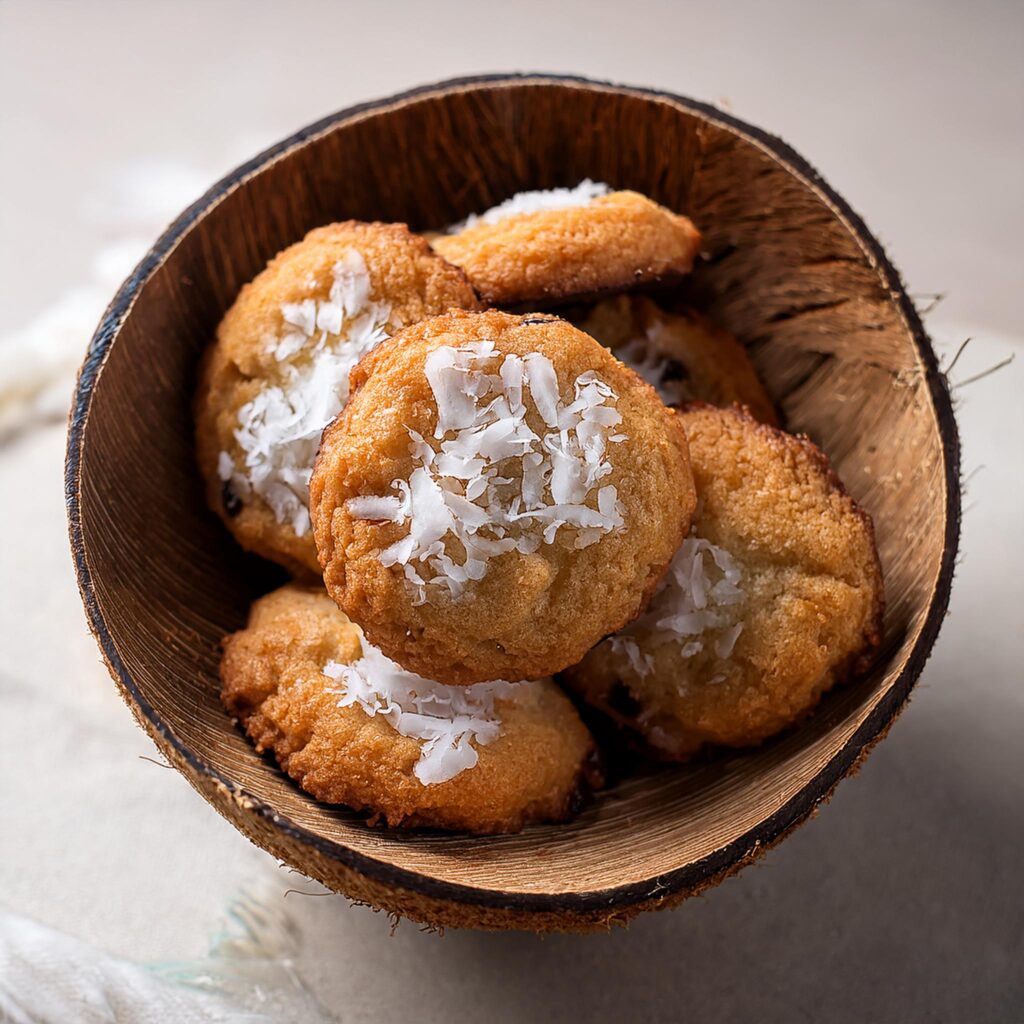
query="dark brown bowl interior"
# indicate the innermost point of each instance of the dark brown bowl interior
(789, 269)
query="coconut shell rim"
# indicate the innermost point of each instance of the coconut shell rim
(692, 877)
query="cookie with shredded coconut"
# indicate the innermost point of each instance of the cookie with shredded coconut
(774, 597)
(353, 728)
(681, 354)
(544, 247)
(499, 494)
(277, 373)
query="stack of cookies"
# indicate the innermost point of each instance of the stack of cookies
(501, 524)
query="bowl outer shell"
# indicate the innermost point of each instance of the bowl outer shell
(454, 886)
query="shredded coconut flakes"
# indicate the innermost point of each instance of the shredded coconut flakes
(660, 372)
(446, 721)
(492, 483)
(645, 352)
(530, 202)
(700, 594)
(320, 341)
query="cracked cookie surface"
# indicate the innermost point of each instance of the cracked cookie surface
(499, 494)
(533, 759)
(613, 242)
(775, 597)
(278, 370)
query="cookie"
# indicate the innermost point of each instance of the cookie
(774, 597)
(351, 727)
(682, 354)
(542, 248)
(277, 373)
(499, 494)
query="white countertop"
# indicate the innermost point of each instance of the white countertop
(902, 900)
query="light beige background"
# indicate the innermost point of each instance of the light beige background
(903, 899)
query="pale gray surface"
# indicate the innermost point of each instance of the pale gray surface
(903, 899)
(913, 111)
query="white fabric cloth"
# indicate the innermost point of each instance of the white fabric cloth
(47, 977)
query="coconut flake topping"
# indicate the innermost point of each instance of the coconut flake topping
(700, 594)
(666, 375)
(492, 483)
(531, 202)
(445, 720)
(279, 430)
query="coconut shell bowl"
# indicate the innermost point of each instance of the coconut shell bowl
(787, 267)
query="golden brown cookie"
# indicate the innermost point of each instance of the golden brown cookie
(277, 373)
(682, 354)
(775, 596)
(540, 248)
(499, 494)
(351, 727)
